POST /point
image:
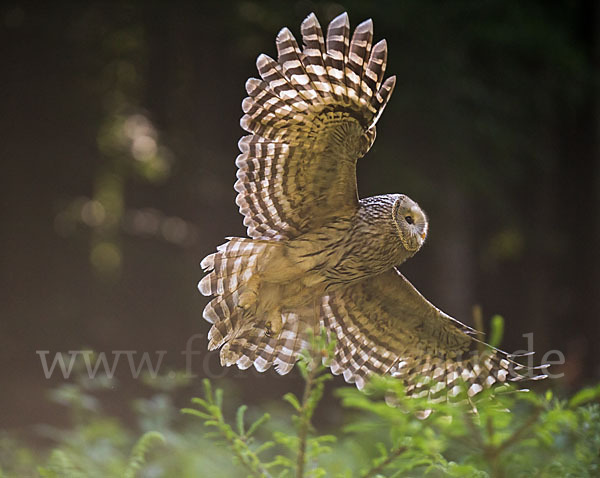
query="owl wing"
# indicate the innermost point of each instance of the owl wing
(311, 116)
(383, 325)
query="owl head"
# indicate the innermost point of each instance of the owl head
(411, 222)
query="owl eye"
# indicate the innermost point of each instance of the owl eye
(409, 219)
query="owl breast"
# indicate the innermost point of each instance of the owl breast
(370, 246)
(343, 251)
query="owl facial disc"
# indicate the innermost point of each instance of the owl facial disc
(411, 223)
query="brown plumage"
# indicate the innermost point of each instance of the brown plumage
(318, 256)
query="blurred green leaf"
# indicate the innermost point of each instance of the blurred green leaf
(585, 396)
(496, 331)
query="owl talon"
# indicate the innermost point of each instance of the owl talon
(274, 326)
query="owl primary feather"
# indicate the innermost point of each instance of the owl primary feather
(317, 255)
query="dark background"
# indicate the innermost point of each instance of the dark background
(119, 126)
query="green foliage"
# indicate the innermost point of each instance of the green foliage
(504, 432)
(140, 450)
(240, 440)
(285, 453)
(513, 433)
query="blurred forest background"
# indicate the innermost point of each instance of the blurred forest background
(119, 132)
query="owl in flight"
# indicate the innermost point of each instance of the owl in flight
(318, 256)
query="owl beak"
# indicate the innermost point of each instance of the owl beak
(424, 235)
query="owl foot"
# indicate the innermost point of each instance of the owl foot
(274, 324)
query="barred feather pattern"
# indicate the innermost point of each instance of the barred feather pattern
(228, 271)
(255, 347)
(317, 256)
(311, 116)
(432, 353)
(244, 342)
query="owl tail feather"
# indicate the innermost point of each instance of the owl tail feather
(234, 279)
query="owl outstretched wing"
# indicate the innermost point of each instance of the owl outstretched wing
(311, 116)
(383, 325)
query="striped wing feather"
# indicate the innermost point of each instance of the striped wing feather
(384, 325)
(245, 342)
(311, 116)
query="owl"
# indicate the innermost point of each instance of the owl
(317, 256)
